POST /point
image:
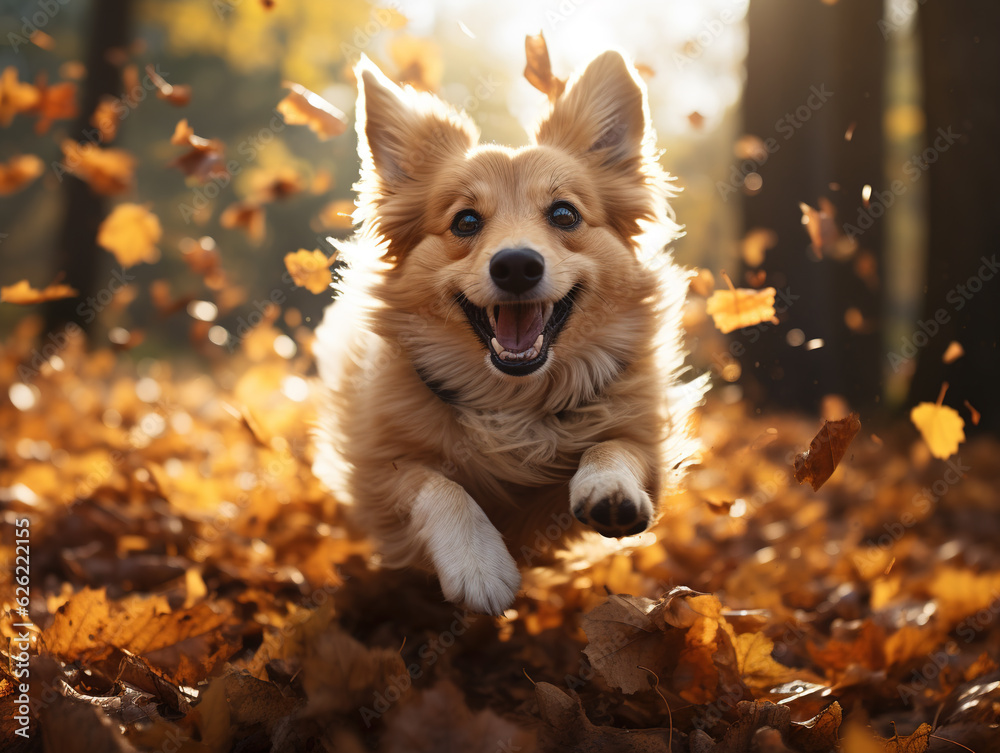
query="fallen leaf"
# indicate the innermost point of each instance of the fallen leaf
(22, 293)
(538, 69)
(826, 450)
(303, 107)
(19, 171)
(107, 171)
(310, 269)
(756, 665)
(915, 743)
(941, 427)
(819, 734)
(131, 233)
(736, 308)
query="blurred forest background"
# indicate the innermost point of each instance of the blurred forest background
(841, 151)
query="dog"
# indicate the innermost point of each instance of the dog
(504, 356)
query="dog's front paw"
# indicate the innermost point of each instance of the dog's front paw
(611, 503)
(483, 578)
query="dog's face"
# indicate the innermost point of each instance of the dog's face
(511, 251)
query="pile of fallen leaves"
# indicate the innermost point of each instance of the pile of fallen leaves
(193, 588)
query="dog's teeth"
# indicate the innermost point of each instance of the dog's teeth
(538, 344)
(496, 346)
(548, 311)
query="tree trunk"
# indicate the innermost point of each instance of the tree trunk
(77, 255)
(961, 45)
(814, 72)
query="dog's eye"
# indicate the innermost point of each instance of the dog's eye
(563, 215)
(466, 223)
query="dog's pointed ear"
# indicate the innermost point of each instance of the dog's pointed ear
(404, 137)
(602, 114)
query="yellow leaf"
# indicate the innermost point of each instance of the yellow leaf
(940, 426)
(310, 269)
(131, 233)
(304, 107)
(738, 308)
(18, 172)
(24, 294)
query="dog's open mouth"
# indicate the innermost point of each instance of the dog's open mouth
(518, 335)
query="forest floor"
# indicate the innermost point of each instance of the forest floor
(193, 588)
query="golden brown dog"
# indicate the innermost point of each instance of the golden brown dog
(505, 349)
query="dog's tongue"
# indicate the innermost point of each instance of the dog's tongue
(518, 325)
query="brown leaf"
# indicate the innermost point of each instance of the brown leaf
(22, 293)
(57, 102)
(752, 716)
(915, 743)
(819, 734)
(73, 726)
(538, 69)
(18, 172)
(131, 233)
(107, 171)
(826, 450)
(246, 215)
(106, 119)
(205, 159)
(303, 107)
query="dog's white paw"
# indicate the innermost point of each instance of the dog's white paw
(610, 502)
(483, 579)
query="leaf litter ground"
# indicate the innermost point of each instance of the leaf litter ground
(193, 588)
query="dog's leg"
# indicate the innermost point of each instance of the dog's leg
(608, 493)
(472, 563)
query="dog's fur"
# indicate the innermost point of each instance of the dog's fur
(450, 462)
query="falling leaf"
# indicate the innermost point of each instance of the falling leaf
(57, 102)
(736, 308)
(826, 450)
(310, 269)
(18, 172)
(107, 171)
(131, 233)
(941, 427)
(538, 69)
(825, 233)
(974, 414)
(205, 159)
(178, 95)
(696, 120)
(22, 293)
(42, 40)
(750, 147)
(953, 352)
(756, 244)
(270, 186)
(338, 215)
(106, 119)
(246, 215)
(15, 97)
(303, 107)
(418, 60)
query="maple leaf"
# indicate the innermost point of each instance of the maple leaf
(826, 450)
(736, 308)
(310, 269)
(303, 107)
(18, 172)
(538, 69)
(22, 293)
(107, 171)
(940, 425)
(131, 233)
(205, 159)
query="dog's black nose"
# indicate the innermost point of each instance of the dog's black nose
(517, 270)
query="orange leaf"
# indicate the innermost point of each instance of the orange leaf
(105, 119)
(915, 743)
(338, 215)
(310, 269)
(176, 95)
(419, 62)
(247, 216)
(734, 309)
(953, 352)
(56, 102)
(131, 233)
(15, 97)
(303, 107)
(538, 69)
(22, 293)
(18, 171)
(826, 450)
(107, 171)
